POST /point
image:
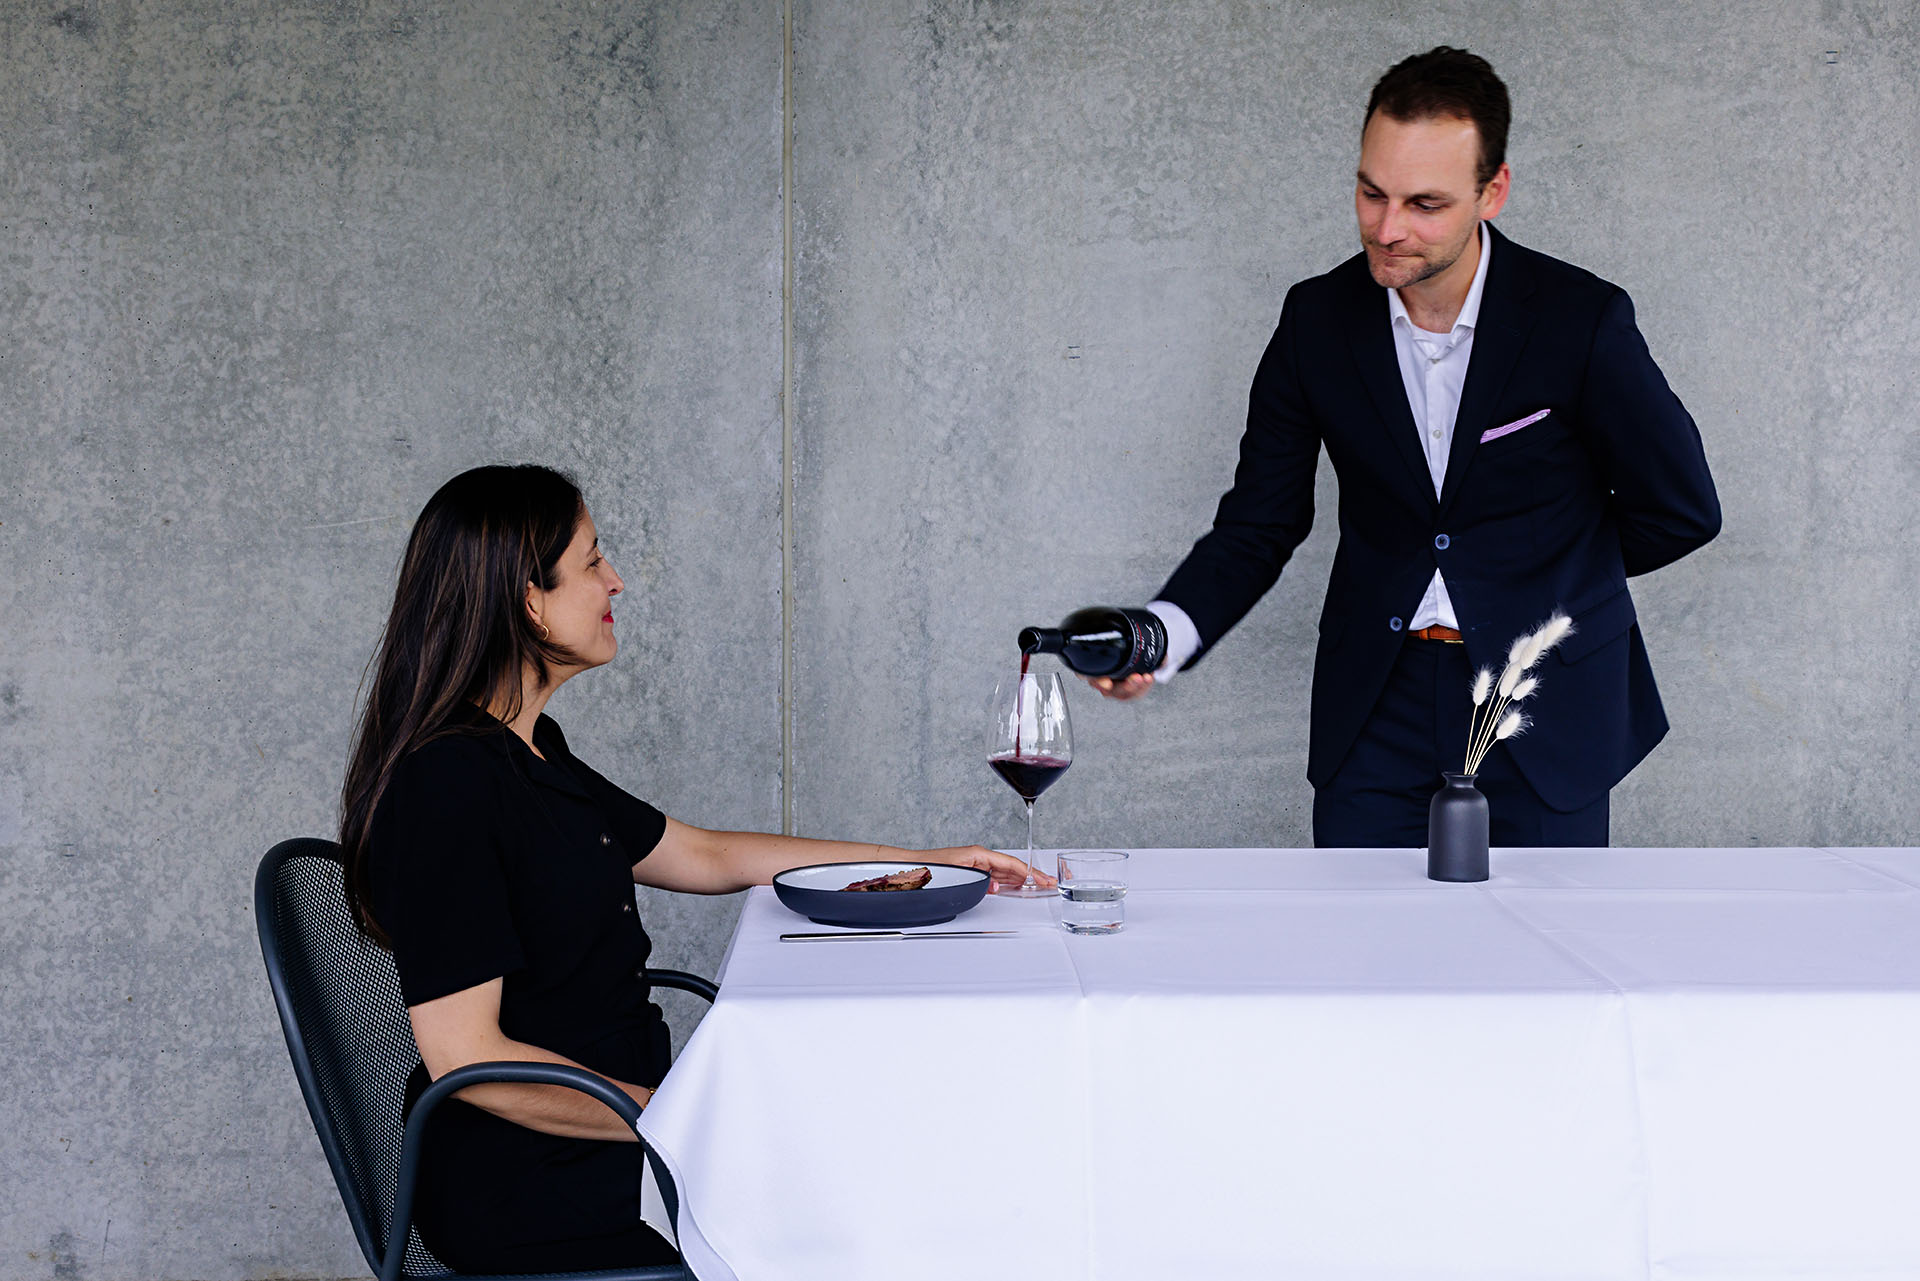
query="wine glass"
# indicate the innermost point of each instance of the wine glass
(1029, 747)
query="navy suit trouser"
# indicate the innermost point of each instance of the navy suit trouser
(1418, 728)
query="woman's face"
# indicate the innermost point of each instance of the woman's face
(578, 611)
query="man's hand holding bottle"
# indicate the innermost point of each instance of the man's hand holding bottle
(1123, 690)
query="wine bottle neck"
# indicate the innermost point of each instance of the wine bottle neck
(1042, 640)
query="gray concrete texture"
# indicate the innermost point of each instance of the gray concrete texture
(275, 271)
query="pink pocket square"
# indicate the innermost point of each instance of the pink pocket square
(1495, 433)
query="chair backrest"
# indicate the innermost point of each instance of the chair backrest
(347, 1032)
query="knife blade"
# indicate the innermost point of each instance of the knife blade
(888, 936)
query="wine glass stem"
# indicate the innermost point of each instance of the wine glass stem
(1029, 883)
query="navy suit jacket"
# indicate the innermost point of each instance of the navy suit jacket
(1611, 483)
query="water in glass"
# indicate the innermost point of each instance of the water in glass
(1093, 891)
(1093, 907)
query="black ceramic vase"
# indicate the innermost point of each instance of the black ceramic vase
(1457, 831)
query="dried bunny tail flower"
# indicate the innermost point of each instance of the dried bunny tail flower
(1536, 650)
(1551, 633)
(1509, 679)
(1482, 685)
(1512, 723)
(1517, 652)
(1525, 688)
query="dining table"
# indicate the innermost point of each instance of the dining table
(1698, 1064)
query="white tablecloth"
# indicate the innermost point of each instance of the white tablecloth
(1600, 1064)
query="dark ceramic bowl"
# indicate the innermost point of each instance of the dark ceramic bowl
(819, 893)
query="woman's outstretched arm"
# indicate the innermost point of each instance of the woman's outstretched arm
(697, 861)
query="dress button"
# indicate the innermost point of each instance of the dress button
(1441, 541)
(1394, 623)
(605, 839)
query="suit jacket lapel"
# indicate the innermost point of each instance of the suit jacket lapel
(1506, 318)
(1370, 334)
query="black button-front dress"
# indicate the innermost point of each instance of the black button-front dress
(486, 861)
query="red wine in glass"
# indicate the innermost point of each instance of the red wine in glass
(1028, 775)
(1030, 745)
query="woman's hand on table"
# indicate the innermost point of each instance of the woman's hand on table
(1006, 870)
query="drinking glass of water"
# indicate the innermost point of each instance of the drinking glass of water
(1093, 891)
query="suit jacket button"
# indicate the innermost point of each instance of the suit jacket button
(626, 907)
(1441, 541)
(1394, 623)
(605, 839)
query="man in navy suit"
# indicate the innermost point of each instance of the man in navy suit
(1505, 446)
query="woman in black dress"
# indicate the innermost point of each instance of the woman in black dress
(500, 870)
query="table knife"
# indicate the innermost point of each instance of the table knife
(890, 935)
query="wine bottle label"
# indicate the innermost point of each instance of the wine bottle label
(1149, 641)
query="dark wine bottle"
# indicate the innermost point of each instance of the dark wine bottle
(1102, 641)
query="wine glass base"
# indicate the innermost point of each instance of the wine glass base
(1026, 891)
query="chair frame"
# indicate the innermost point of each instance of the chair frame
(389, 1263)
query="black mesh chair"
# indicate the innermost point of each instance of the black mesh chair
(352, 1048)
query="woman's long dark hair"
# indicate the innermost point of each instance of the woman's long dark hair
(459, 636)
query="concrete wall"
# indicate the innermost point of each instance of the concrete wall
(275, 271)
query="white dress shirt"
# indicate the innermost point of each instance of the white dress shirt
(1433, 369)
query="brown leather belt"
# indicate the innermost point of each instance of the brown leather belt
(1446, 634)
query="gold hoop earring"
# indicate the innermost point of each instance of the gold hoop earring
(544, 633)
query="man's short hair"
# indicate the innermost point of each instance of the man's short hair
(1449, 82)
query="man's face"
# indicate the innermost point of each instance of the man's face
(1416, 198)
